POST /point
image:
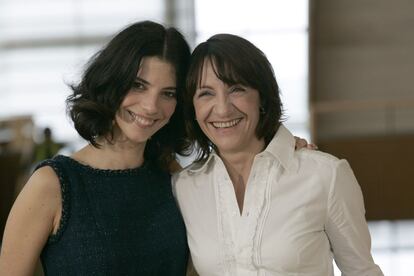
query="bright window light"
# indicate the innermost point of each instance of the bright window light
(280, 29)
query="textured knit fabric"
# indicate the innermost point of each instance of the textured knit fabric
(115, 222)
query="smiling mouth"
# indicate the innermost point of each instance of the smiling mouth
(141, 121)
(226, 124)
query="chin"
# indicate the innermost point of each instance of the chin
(139, 139)
(226, 147)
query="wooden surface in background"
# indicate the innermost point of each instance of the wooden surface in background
(9, 173)
(384, 167)
(361, 66)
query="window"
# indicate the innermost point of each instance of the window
(44, 45)
(280, 29)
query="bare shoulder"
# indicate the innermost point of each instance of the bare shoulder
(42, 195)
(32, 219)
(44, 182)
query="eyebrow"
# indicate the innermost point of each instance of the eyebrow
(141, 80)
(147, 83)
(204, 87)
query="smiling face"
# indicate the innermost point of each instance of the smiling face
(150, 103)
(227, 114)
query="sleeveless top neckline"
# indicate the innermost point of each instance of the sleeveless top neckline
(107, 172)
(115, 222)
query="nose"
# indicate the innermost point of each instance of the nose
(223, 106)
(150, 104)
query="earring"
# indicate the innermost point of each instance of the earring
(262, 110)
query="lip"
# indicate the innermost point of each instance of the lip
(142, 121)
(226, 124)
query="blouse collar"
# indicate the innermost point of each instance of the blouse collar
(281, 147)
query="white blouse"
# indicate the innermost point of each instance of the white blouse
(301, 209)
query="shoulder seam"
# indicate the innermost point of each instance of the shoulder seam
(59, 170)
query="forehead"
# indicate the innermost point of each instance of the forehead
(214, 68)
(208, 71)
(154, 69)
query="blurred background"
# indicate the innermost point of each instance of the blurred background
(345, 68)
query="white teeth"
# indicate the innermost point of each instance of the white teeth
(141, 120)
(226, 124)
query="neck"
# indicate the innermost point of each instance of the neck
(116, 156)
(239, 163)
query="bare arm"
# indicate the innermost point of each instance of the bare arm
(33, 217)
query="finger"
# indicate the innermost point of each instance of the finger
(300, 143)
(312, 146)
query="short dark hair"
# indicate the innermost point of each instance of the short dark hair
(109, 76)
(235, 60)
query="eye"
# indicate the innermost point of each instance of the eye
(137, 85)
(204, 93)
(237, 88)
(170, 94)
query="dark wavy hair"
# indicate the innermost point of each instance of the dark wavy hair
(109, 76)
(235, 60)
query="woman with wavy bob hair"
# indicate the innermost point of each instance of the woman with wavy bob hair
(108, 209)
(110, 76)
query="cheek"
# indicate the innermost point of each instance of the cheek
(255, 116)
(128, 100)
(253, 104)
(120, 123)
(199, 110)
(169, 109)
(123, 115)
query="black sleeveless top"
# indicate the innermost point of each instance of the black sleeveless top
(115, 222)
